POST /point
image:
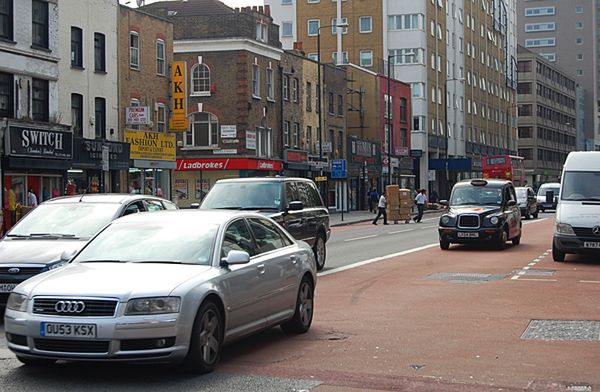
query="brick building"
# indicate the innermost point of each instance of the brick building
(145, 54)
(232, 60)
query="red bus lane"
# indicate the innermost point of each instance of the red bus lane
(464, 319)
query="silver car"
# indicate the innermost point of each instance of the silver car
(165, 287)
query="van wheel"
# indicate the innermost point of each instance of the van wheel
(557, 255)
(320, 252)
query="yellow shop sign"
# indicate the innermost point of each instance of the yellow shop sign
(155, 146)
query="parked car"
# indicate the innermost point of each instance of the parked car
(481, 211)
(36, 242)
(294, 203)
(527, 201)
(166, 287)
(577, 228)
(547, 196)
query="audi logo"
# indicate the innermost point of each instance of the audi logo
(596, 230)
(14, 270)
(69, 307)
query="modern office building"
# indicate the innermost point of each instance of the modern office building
(547, 97)
(564, 32)
(459, 57)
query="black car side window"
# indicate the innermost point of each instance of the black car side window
(291, 192)
(305, 194)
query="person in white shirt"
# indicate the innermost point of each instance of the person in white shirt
(420, 201)
(381, 209)
(32, 198)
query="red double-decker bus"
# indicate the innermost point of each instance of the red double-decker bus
(507, 167)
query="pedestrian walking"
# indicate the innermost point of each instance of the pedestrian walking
(381, 209)
(32, 199)
(373, 199)
(421, 202)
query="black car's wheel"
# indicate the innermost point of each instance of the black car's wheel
(516, 240)
(206, 341)
(320, 252)
(303, 315)
(444, 245)
(557, 255)
(37, 362)
(501, 245)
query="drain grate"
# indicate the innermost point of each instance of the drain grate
(464, 277)
(562, 330)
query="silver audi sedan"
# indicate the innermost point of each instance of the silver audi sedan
(172, 286)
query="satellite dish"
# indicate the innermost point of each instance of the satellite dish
(139, 2)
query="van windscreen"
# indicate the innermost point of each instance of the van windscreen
(581, 186)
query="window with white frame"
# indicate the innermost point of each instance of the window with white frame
(296, 137)
(203, 130)
(366, 58)
(269, 84)
(287, 29)
(407, 56)
(344, 57)
(134, 50)
(418, 90)
(549, 56)
(200, 80)
(161, 117)
(539, 11)
(160, 57)
(286, 87)
(334, 23)
(406, 22)
(264, 142)
(545, 26)
(295, 89)
(255, 81)
(286, 133)
(540, 42)
(365, 24)
(313, 26)
(262, 32)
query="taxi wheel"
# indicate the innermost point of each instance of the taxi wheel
(502, 240)
(38, 362)
(516, 240)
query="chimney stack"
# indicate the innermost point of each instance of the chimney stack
(267, 10)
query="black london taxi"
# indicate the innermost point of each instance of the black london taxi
(481, 211)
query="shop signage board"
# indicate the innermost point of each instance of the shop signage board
(251, 140)
(338, 168)
(179, 120)
(39, 143)
(295, 156)
(228, 131)
(228, 164)
(225, 151)
(155, 146)
(137, 115)
(320, 178)
(87, 154)
(326, 147)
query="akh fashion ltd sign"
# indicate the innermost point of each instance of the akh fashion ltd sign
(39, 143)
(155, 146)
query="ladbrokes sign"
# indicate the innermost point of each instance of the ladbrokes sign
(227, 164)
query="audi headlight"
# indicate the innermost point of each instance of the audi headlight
(154, 305)
(494, 220)
(17, 302)
(565, 229)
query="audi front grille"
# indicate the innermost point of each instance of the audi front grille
(72, 307)
(468, 221)
(22, 270)
(72, 346)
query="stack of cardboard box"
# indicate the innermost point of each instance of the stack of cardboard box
(406, 203)
(393, 202)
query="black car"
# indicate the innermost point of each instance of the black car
(527, 202)
(481, 211)
(44, 238)
(294, 203)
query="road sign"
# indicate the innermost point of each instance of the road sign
(320, 178)
(338, 168)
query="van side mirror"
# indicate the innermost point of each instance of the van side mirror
(67, 255)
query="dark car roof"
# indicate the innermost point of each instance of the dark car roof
(111, 198)
(264, 179)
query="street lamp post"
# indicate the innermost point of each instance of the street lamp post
(447, 129)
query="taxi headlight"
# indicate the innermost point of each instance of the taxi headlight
(494, 220)
(445, 220)
(565, 229)
(153, 305)
(17, 302)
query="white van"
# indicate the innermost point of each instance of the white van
(577, 227)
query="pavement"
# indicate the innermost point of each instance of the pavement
(353, 217)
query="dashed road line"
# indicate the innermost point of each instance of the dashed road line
(401, 231)
(590, 281)
(360, 238)
(519, 274)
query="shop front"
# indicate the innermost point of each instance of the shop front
(195, 176)
(36, 159)
(295, 163)
(86, 174)
(153, 155)
(364, 168)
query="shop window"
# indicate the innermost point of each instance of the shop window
(40, 100)
(203, 131)
(200, 79)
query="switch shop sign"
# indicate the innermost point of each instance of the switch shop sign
(39, 143)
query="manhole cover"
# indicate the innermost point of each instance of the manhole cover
(464, 277)
(562, 330)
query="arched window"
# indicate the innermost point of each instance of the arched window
(200, 79)
(203, 130)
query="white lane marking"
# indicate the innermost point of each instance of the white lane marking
(376, 259)
(531, 264)
(527, 267)
(539, 280)
(361, 238)
(400, 231)
(428, 227)
(515, 277)
(535, 221)
(589, 281)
